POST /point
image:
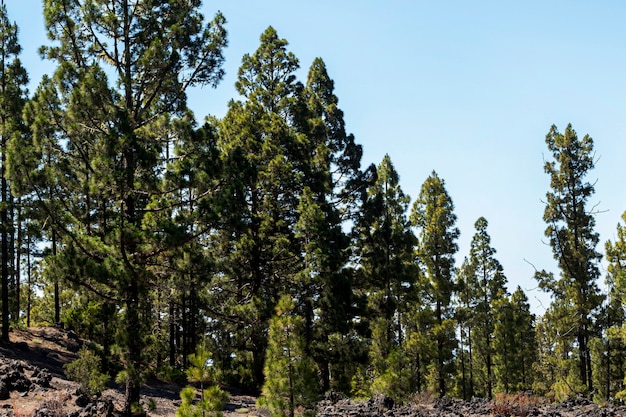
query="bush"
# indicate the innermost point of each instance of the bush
(211, 402)
(86, 371)
(520, 405)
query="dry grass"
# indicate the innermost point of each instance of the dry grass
(519, 405)
(426, 398)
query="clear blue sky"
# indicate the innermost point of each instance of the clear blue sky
(468, 89)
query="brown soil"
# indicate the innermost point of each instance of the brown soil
(50, 348)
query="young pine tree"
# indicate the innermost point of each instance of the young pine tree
(291, 378)
(212, 398)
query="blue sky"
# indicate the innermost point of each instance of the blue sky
(468, 89)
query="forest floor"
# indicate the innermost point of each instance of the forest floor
(35, 357)
(47, 349)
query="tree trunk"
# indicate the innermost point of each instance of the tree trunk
(29, 277)
(134, 347)
(4, 251)
(57, 301)
(172, 331)
(17, 259)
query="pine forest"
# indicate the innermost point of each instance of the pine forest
(258, 249)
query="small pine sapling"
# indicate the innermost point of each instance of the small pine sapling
(212, 399)
(86, 371)
(291, 379)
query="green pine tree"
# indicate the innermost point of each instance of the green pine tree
(490, 286)
(291, 378)
(387, 267)
(13, 80)
(331, 162)
(255, 247)
(609, 376)
(212, 399)
(433, 216)
(514, 344)
(100, 125)
(573, 240)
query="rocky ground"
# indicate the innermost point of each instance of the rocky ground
(32, 383)
(336, 405)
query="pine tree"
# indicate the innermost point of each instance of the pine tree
(188, 214)
(490, 286)
(331, 163)
(387, 265)
(290, 374)
(514, 345)
(212, 399)
(255, 246)
(466, 300)
(433, 216)
(573, 239)
(114, 102)
(609, 373)
(525, 338)
(13, 80)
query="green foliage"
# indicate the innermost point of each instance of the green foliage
(388, 272)
(12, 99)
(211, 403)
(290, 375)
(212, 399)
(398, 380)
(570, 228)
(433, 216)
(200, 366)
(86, 371)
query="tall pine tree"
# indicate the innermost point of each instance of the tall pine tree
(490, 286)
(387, 266)
(331, 161)
(13, 80)
(256, 247)
(433, 216)
(123, 69)
(573, 240)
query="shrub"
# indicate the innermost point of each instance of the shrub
(211, 402)
(519, 405)
(86, 371)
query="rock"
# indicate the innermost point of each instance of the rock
(105, 408)
(5, 394)
(41, 377)
(82, 401)
(17, 381)
(333, 396)
(23, 346)
(73, 346)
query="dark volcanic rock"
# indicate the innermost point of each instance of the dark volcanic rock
(5, 393)
(82, 401)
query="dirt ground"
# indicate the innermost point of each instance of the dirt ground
(50, 348)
